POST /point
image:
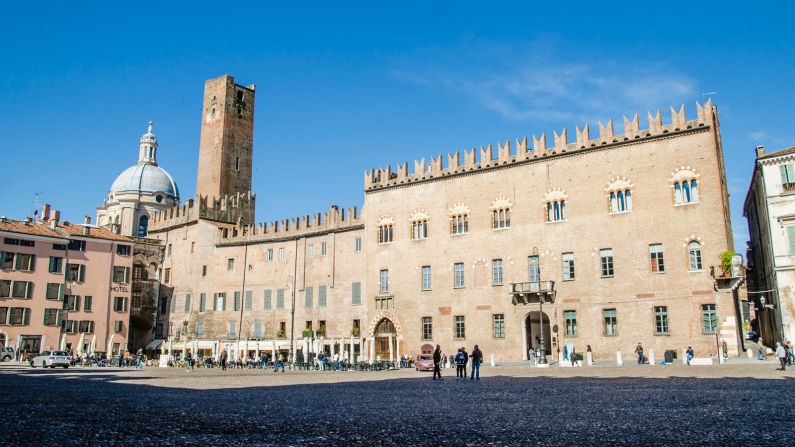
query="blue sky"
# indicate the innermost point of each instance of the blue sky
(345, 87)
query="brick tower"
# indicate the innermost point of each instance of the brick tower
(227, 139)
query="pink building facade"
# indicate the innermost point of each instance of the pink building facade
(63, 286)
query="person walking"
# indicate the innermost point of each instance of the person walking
(139, 360)
(573, 357)
(444, 361)
(565, 352)
(466, 360)
(781, 355)
(477, 359)
(639, 351)
(437, 358)
(532, 356)
(224, 356)
(188, 362)
(459, 365)
(279, 363)
(690, 354)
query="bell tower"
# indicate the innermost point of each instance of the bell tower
(227, 139)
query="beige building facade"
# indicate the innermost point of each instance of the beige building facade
(618, 233)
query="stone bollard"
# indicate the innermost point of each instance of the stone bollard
(684, 356)
(589, 358)
(749, 353)
(619, 361)
(492, 360)
(651, 356)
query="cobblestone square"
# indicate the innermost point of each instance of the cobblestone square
(511, 405)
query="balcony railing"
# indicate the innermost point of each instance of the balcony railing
(532, 292)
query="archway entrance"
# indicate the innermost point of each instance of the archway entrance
(384, 338)
(535, 324)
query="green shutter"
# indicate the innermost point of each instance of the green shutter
(791, 238)
(356, 293)
(82, 273)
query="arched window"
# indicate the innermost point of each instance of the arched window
(419, 225)
(143, 226)
(620, 195)
(500, 213)
(685, 185)
(386, 230)
(459, 219)
(556, 206)
(694, 253)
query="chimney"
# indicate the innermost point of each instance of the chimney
(45, 212)
(27, 221)
(55, 216)
(760, 151)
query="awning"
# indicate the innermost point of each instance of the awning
(154, 344)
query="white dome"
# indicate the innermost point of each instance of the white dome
(145, 178)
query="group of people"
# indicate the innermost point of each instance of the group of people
(460, 360)
(250, 362)
(784, 354)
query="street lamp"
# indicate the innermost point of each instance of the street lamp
(543, 359)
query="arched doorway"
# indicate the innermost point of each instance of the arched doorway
(384, 338)
(536, 323)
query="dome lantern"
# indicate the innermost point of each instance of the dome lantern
(147, 149)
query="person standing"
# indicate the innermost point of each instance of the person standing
(437, 358)
(139, 359)
(188, 362)
(781, 355)
(532, 355)
(224, 356)
(639, 351)
(573, 357)
(690, 354)
(459, 365)
(466, 360)
(477, 359)
(444, 361)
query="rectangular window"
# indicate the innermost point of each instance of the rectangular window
(118, 325)
(308, 298)
(321, 296)
(661, 320)
(19, 316)
(59, 247)
(606, 257)
(3, 315)
(357, 244)
(310, 250)
(709, 316)
(123, 250)
(202, 302)
(501, 218)
(22, 289)
(656, 257)
(71, 302)
(88, 302)
(75, 245)
(6, 260)
(610, 322)
(419, 230)
(787, 174)
(25, 262)
(56, 264)
(323, 249)
(173, 303)
(460, 327)
(568, 266)
(266, 299)
(230, 264)
(86, 326)
(232, 330)
(257, 329)
(166, 276)
(248, 301)
(570, 317)
(458, 275)
(187, 302)
(51, 317)
(385, 234)
(496, 272)
(281, 254)
(122, 274)
(199, 329)
(356, 293)
(269, 255)
(280, 298)
(426, 277)
(204, 270)
(54, 291)
(534, 272)
(169, 250)
(459, 224)
(427, 328)
(75, 272)
(383, 281)
(220, 302)
(236, 301)
(498, 325)
(119, 304)
(384, 303)
(5, 289)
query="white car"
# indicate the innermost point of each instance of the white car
(7, 354)
(51, 359)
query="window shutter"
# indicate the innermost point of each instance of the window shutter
(126, 275)
(32, 262)
(223, 303)
(783, 170)
(26, 316)
(267, 299)
(29, 290)
(18, 262)
(791, 238)
(356, 293)
(82, 273)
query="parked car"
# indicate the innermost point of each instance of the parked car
(7, 354)
(424, 363)
(51, 359)
(751, 335)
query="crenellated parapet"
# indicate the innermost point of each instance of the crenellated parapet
(334, 220)
(232, 209)
(506, 154)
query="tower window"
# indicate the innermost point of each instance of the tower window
(240, 95)
(237, 163)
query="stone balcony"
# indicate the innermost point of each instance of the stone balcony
(532, 292)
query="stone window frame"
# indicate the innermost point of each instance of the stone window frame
(685, 180)
(386, 230)
(620, 194)
(500, 212)
(555, 208)
(418, 225)
(459, 219)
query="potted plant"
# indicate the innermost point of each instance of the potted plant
(307, 333)
(726, 262)
(280, 333)
(355, 331)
